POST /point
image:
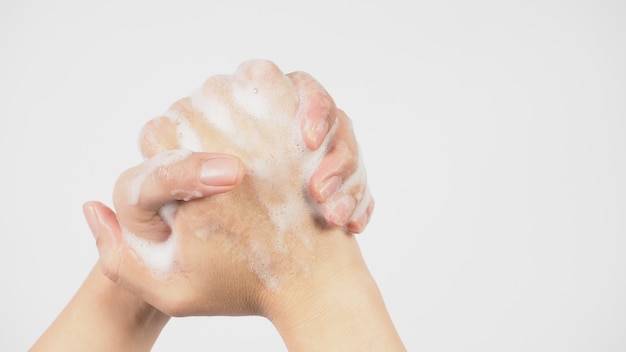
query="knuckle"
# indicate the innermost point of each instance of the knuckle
(325, 101)
(169, 177)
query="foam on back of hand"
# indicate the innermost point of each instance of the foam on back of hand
(255, 114)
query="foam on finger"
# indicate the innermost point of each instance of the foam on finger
(159, 257)
(161, 160)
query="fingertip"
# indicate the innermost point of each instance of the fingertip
(358, 225)
(241, 171)
(327, 178)
(338, 210)
(102, 221)
(321, 131)
(327, 187)
(319, 112)
(108, 238)
(314, 132)
(92, 218)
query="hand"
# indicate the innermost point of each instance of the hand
(258, 249)
(144, 245)
(103, 311)
(266, 112)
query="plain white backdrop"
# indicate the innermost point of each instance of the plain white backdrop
(494, 134)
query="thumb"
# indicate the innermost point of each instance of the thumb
(174, 175)
(125, 266)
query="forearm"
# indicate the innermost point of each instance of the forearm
(338, 308)
(103, 317)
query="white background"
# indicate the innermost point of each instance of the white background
(493, 133)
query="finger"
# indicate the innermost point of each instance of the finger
(340, 182)
(158, 135)
(339, 164)
(338, 209)
(106, 230)
(358, 225)
(176, 175)
(122, 265)
(319, 109)
(360, 218)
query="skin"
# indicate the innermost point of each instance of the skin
(214, 273)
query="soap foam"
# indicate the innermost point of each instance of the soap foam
(275, 156)
(208, 105)
(185, 195)
(260, 263)
(258, 113)
(159, 257)
(187, 138)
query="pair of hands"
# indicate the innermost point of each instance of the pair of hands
(208, 233)
(257, 221)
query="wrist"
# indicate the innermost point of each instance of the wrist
(337, 307)
(103, 316)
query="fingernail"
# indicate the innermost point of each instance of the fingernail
(321, 130)
(343, 209)
(315, 132)
(221, 171)
(92, 220)
(358, 225)
(329, 187)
